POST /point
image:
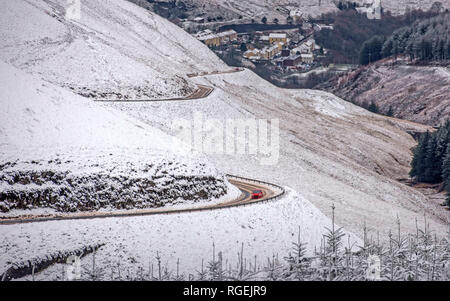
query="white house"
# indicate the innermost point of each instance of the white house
(311, 43)
(278, 38)
(264, 39)
(307, 58)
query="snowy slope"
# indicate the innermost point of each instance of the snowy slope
(46, 128)
(133, 243)
(51, 138)
(61, 151)
(114, 49)
(330, 150)
(280, 8)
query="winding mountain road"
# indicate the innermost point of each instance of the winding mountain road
(246, 186)
(202, 91)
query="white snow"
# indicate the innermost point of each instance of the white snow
(115, 49)
(265, 229)
(46, 128)
(35, 113)
(331, 151)
(280, 8)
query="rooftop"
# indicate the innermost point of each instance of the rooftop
(277, 35)
(205, 35)
(293, 57)
(226, 33)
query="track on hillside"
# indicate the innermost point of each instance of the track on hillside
(201, 92)
(246, 186)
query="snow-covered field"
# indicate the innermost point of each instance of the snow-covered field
(330, 151)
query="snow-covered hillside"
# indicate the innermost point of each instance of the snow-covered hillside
(115, 50)
(280, 8)
(59, 150)
(330, 152)
(133, 243)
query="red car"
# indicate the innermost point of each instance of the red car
(257, 194)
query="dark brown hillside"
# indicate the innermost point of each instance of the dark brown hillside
(415, 93)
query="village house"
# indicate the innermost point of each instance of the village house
(267, 53)
(252, 54)
(292, 61)
(270, 52)
(210, 40)
(307, 47)
(307, 58)
(264, 39)
(301, 49)
(311, 44)
(280, 46)
(203, 33)
(296, 38)
(278, 38)
(221, 38)
(227, 36)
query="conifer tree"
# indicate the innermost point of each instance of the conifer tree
(390, 112)
(373, 107)
(297, 260)
(418, 162)
(446, 173)
(433, 165)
